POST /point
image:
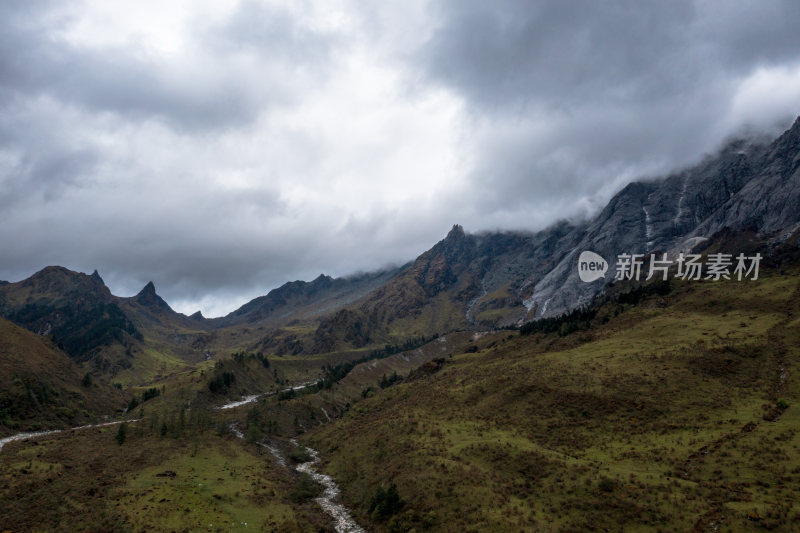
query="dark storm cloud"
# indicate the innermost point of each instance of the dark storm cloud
(571, 98)
(132, 82)
(512, 54)
(275, 141)
(44, 176)
(39, 156)
(80, 187)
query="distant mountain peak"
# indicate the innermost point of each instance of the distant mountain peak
(51, 270)
(61, 280)
(792, 133)
(197, 315)
(148, 297)
(96, 276)
(456, 233)
(149, 289)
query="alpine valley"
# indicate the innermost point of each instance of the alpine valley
(480, 387)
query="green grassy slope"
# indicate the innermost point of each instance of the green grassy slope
(680, 413)
(85, 481)
(41, 388)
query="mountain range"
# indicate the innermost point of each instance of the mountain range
(617, 404)
(465, 281)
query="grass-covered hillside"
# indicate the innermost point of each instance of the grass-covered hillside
(42, 388)
(668, 407)
(186, 478)
(679, 413)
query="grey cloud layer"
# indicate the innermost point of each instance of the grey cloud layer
(571, 96)
(217, 89)
(244, 161)
(512, 54)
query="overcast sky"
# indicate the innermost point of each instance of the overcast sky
(223, 148)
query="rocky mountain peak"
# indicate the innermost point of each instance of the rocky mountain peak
(322, 280)
(796, 126)
(148, 290)
(440, 267)
(51, 272)
(456, 233)
(96, 277)
(148, 297)
(786, 148)
(61, 280)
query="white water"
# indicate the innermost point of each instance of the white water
(28, 435)
(648, 224)
(236, 431)
(254, 397)
(343, 522)
(680, 201)
(275, 453)
(474, 301)
(544, 307)
(244, 401)
(23, 436)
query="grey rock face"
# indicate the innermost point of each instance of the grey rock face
(770, 201)
(748, 185)
(304, 299)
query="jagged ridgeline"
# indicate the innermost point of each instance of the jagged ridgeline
(76, 311)
(633, 404)
(745, 198)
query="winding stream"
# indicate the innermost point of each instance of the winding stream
(254, 397)
(328, 501)
(23, 436)
(28, 435)
(343, 522)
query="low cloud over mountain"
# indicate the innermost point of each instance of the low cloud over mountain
(221, 150)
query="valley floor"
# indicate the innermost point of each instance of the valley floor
(679, 413)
